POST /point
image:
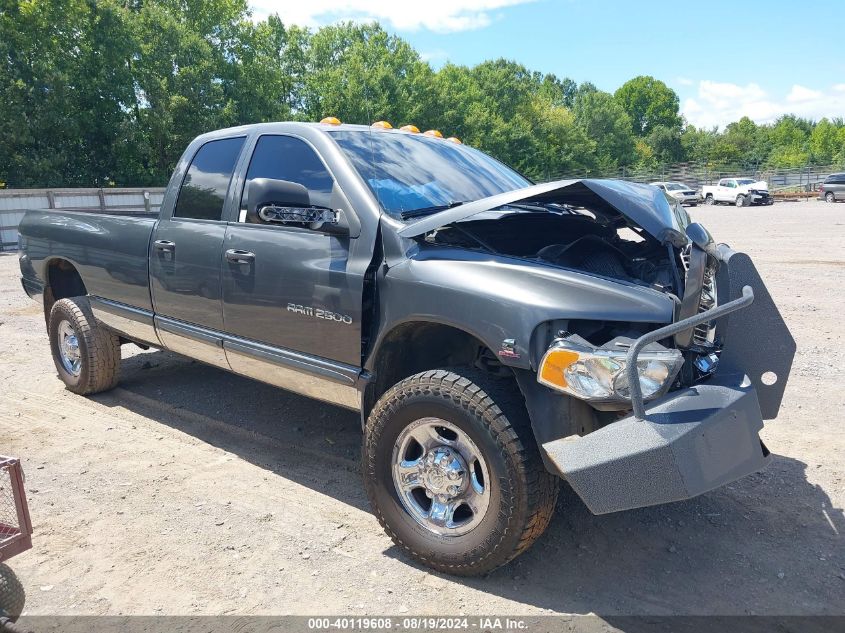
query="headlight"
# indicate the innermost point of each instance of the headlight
(597, 374)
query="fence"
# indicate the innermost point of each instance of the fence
(697, 175)
(15, 202)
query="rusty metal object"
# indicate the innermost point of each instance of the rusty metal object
(15, 524)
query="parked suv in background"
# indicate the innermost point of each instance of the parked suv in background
(833, 188)
(679, 191)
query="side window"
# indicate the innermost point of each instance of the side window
(291, 159)
(203, 191)
(723, 183)
(730, 183)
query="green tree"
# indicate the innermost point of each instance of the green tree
(561, 146)
(698, 143)
(827, 142)
(665, 144)
(360, 74)
(64, 89)
(604, 121)
(649, 103)
(790, 137)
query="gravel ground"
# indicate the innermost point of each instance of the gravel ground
(190, 491)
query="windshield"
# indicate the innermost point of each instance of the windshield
(411, 172)
(674, 186)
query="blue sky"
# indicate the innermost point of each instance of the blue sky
(724, 59)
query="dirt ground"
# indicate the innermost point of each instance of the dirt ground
(187, 490)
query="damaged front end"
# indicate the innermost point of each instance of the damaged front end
(675, 409)
(704, 434)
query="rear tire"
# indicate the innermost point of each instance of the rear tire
(86, 355)
(829, 197)
(476, 410)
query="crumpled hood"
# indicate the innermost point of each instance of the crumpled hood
(642, 205)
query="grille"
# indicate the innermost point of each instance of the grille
(705, 333)
(685, 258)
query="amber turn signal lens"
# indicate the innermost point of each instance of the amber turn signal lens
(554, 364)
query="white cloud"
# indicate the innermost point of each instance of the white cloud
(442, 16)
(800, 93)
(717, 103)
(685, 81)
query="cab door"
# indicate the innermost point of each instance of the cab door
(186, 255)
(292, 293)
(727, 190)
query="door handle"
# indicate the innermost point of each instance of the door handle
(237, 256)
(165, 245)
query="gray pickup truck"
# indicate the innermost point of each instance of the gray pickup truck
(497, 336)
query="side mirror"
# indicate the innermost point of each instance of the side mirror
(288, 203)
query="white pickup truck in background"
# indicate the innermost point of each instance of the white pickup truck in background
(739, 191)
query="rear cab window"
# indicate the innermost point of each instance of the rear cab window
(203, 192)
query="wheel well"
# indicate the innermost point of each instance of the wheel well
(418, 346)
(63, 281)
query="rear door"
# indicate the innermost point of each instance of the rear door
(186, 254)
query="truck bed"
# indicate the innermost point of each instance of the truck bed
(110, 250)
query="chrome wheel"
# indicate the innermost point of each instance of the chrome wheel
(69, 349)
(441, 477)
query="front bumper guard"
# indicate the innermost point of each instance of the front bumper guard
(687, 443)
(683, 445)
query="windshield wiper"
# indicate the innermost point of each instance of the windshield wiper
(418, 213)
(539, 207)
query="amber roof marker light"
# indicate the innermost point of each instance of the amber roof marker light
(410, 128)
(455, 139)
(383, 125)
(435, 133)
(330, 120)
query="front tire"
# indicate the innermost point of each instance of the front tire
(740, 200)
(86, 355)
(709, 200)
(453, 472)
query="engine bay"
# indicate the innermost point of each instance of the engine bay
(570, 240)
